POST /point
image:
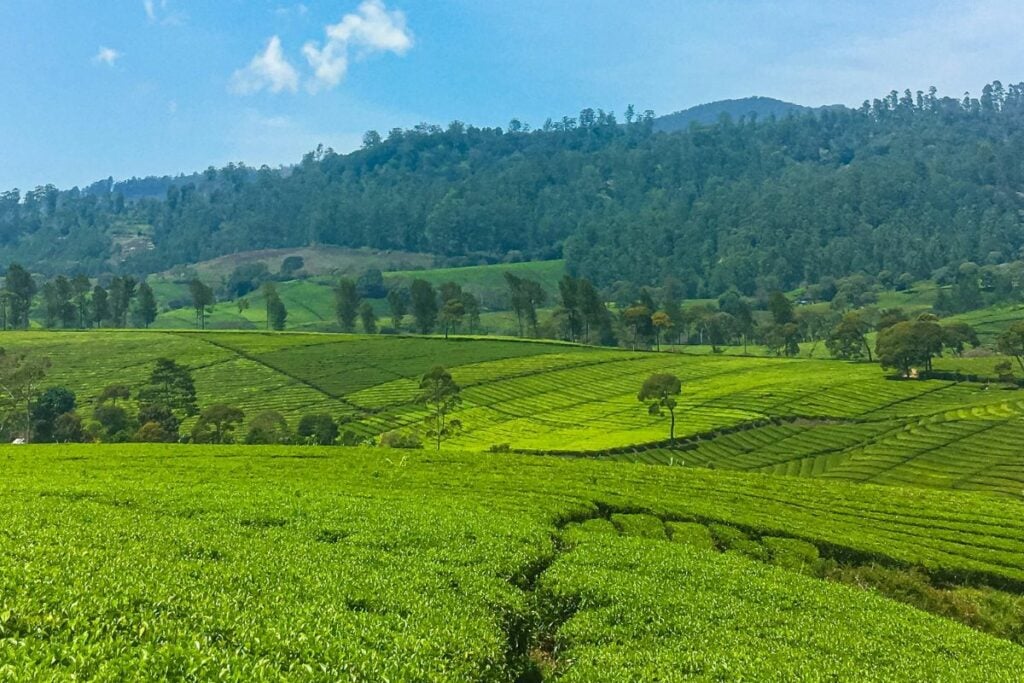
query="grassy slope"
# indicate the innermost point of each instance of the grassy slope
(310, 302)
(813, 418)
(252, 564)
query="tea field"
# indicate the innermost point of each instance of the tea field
(783, 416)
(291, 563)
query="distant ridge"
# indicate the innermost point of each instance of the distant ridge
(762, 107)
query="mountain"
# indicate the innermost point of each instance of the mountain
(747, 107)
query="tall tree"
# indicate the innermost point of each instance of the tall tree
(441, 395)
(170, 385)
(82, 286)
(146, 305)
(20, 288)
(122, 292)
(424, 306)
(346, 304)
(100, 306)
(398, 303)
(368, 318)
(569, 291)
(202, 299)
(21, 377)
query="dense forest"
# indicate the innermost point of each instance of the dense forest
(906, 184)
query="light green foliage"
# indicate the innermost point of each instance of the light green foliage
(799, 417)
(691, 534)
(245, 563)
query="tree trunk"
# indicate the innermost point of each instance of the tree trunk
(672, 427)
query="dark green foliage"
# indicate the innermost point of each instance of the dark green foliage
(68, 428)
(901, 185)
(246, 278)
(292, 265)
(398, 304)
(368, 318)
(268, 428)
(277, 313)
(158, 423)
(346, 303)
(100, 306)
(909, 345)
(848, 339)
(146, 305)
(318, 429)
(20, 288)
(423, 302)
(371, 284)
(51, 404)
(170, 385)
(113, 421)
(202, 299)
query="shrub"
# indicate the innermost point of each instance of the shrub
(398, 438)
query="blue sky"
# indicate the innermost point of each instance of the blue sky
(139, 87)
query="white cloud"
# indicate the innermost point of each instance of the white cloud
(372, 28)
(157, 12)
(106, 55)
(268, 70)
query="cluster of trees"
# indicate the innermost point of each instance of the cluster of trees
(447, 306)
(906, 184)
(75, 302)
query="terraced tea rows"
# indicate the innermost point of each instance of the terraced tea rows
(800, 417)
(257, 563)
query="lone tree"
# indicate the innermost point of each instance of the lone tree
(908, 345)
(202, 298)
(659, 393)
(1011, 342)
(441, 395)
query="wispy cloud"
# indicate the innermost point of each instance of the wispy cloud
(371, 28)
(107, 56)
(268, 70)
(158, 12)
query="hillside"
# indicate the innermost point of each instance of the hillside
(906, 184)
(269, 563)
(710, 113)
(784, 416)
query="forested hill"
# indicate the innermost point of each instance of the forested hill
(905, 184)
(747, 107)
